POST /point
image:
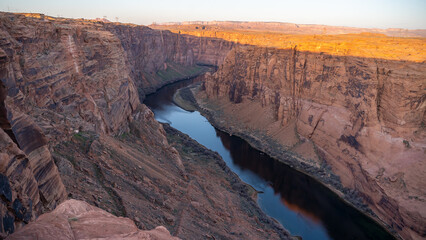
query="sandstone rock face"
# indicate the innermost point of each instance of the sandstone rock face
(75, 219)
(30, 180)
(70, 105)
(150, 51)
(62, 69)
(57, 77)
(364, 116)
(34, 144)
(155, 180)
(91, 69)
(19, 191)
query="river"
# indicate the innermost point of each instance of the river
(302, 205)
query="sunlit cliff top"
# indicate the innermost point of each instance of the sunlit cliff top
(371, 45)
(286, 36)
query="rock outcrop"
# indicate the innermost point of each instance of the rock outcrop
(363, 117)
(75, 219)
(19, 191)
(30, 180)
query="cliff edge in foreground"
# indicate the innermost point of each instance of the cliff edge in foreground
(75, 219)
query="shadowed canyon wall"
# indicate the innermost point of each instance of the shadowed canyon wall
(30, 181)
(158, 56)
(361, 119)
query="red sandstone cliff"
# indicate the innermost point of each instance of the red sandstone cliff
(363, 117)
(70, 101)
(73, 125)
(157, 57)
(58, 78)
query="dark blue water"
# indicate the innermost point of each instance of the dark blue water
(299, 203)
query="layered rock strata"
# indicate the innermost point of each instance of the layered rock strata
(71, 93)
(58, 77)
(138, 175)
(157, 57)
(358, 119)
(70, 97)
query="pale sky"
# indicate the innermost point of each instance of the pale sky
(409, 14)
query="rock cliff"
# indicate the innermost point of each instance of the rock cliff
(73, 125)
(157, 57)
(360, 119)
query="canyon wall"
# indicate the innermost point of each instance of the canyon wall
(158, 57)
(30, 180)
(362, 119)
(59, 77)
(73, 126)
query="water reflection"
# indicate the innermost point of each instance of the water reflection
(163, 98)
(302, 194)
(300, 204)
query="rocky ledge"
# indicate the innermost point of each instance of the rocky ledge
(75, 219)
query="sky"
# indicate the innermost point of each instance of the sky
(409, 14)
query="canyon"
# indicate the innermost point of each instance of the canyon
(74, 126)
(354, 122)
